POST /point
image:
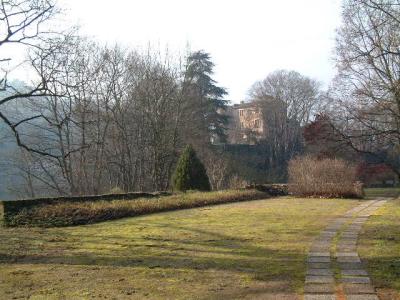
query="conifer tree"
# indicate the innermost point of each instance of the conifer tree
(205, 99)
(190, 173)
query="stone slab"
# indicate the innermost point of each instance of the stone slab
(318, 259)
(362, 297)
(355, 227)
(328, 231)
(349, 238)
(334, 228)
(337, 221)
(351, 288)
(314, 253)
(347, 249)
(327, 234)
(347, 242)
(359, 272)
(318, 265)
(320, 297)
(319, 288)
(322, 242)
(316, 247)
(319, 279)
(360, 221)
(357, 222)
(324, 272)
(320, 248)
(351, 266)
(353, 279)
(346, 254)
(349, 259)
(349, 233)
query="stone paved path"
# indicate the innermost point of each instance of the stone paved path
(354, 282)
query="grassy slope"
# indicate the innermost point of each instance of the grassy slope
(239, 250)
(379, 246)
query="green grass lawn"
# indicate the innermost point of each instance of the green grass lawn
(382, 192)
(232, 251)
(379, 246)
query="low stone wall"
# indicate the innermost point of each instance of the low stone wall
(8, 209)
(274, 189)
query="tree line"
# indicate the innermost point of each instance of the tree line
(95, 117)
(362, 116)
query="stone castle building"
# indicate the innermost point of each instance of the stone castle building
(246, 124)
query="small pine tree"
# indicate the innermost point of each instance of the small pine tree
(190, 173)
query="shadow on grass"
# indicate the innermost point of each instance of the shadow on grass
(226, 253)
(380, 251)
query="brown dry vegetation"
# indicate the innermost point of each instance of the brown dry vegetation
(78, 213)
(330, 178)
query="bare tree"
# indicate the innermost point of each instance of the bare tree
(287, 100)
(297, 94)
(367, 87)
(113, 119)
(22, 20)
(109, 117)
(22, 25)
(147, 122)
(217, 170)
(30, 175)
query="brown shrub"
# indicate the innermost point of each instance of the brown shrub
(235, 182)
(330, 178)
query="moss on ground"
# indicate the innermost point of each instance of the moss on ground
(234, 251)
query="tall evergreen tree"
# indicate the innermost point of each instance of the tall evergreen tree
(190, 173)
(204, 98)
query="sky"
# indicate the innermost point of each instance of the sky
(246, 39)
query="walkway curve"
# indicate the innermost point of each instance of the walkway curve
(354, 282)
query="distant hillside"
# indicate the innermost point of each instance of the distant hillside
(8, 146)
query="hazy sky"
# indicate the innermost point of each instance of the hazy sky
(247, 39)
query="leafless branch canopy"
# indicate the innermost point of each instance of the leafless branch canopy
(367, 87)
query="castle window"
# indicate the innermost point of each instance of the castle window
(241, 112)
(257, 123)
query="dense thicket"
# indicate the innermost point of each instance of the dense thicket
(309, 176)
